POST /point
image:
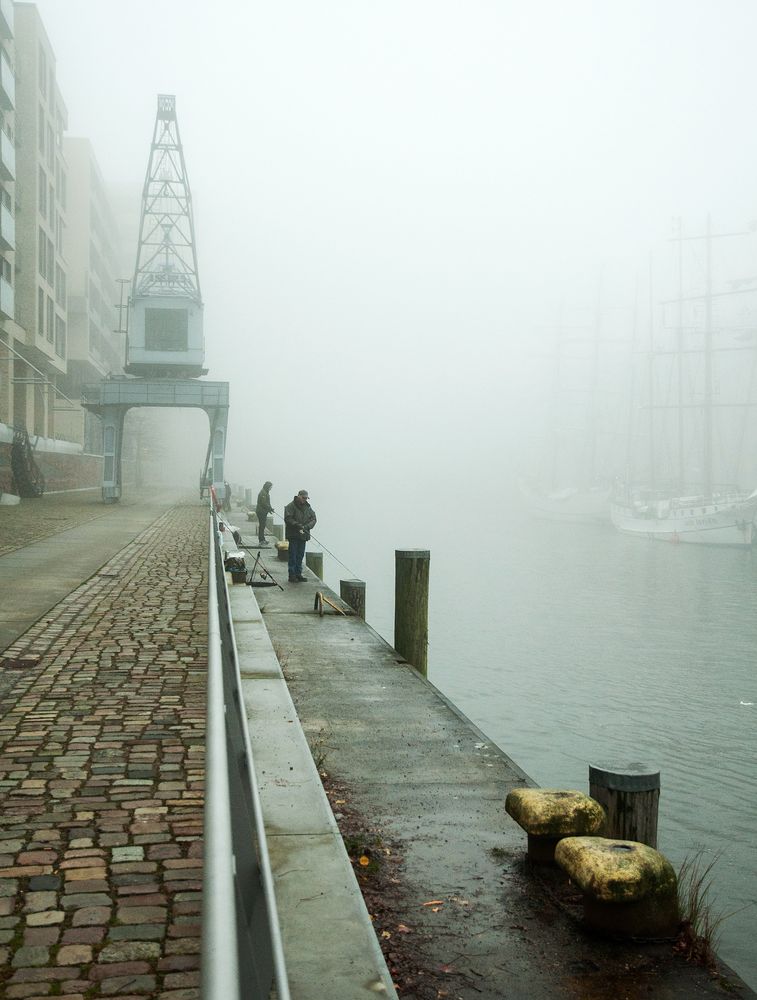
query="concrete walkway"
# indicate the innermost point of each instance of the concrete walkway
(434, 787)
(52, 544)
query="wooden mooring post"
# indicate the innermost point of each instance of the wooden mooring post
(352, 592)
(411, 574)
(631, 796)
(314, 562)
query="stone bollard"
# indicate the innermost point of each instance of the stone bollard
(314, 562)
(352, 592)
(248, 498)
(411, 573)
(630, 795)
(629, 889)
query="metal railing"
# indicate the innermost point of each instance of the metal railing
(242, 955)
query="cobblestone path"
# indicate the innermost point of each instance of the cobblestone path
(101, 780)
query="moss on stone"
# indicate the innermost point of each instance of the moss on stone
(551, 812)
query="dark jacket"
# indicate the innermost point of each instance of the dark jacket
(299, 519)
(264, 502)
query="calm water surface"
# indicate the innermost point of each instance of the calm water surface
(571, 644)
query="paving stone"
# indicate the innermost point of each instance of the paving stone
(42, 882)
(127, 854)
(29, 956)
(117, 969)
(145, 984)
(89, 916)
(181, 980)
(83, 935)
(74, 954)
(129, 951)
(41, 935)
(45, 919)
(138, 932)
(142, 914)
(85, 899)
(35, 901)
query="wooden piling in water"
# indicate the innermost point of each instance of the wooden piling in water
(411, 575)
(630, 795)
(314, 562)
(352, 592)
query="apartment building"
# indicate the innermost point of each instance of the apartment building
(95, 344)
(41, 194)
(9, 332)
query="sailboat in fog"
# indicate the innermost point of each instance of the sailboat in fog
(693, 508)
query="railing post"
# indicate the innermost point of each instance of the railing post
(314, 562)
(352, 592)
(411, 606)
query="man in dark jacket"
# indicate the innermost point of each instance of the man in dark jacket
(299, 518)
(262, 509)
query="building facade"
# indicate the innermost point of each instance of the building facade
(58, 264)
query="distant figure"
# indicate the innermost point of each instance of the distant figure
(226, 496)
(299, 518)
(263, 508)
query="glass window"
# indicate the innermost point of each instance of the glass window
(50, 147)
(60, 336)
(42, 193)
(51, 207)
(40, 313)
(41, 130)
(42, 252)
(62, 189)
(50, 262)
(42, 65)
(166, 329)
(50, 319)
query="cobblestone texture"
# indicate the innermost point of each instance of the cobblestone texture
(101, 779)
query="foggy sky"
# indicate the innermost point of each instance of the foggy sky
(393, 199)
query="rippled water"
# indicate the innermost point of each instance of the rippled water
(570, 644)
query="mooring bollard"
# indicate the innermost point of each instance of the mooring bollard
(248, 498)
(277, 530)
(631, 796)
(352, 592)
(411, 572)
(314, 562)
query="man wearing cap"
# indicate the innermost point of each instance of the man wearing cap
(299, 518)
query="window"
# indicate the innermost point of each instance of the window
(50, 319)
(50, 147)
(59, 234)
(7, 270)
(50, 262)
(60, 336)
(42, 252)
(60, 286)
(42, 66)
(40, 313)
(62, 189)
(166, 329)
(51, 207)
(41, 130)
(42, 193)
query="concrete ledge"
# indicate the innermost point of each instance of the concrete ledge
(330, 946)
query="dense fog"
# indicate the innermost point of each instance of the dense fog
(408, 214)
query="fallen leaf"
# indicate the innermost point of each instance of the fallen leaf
(404, 929)
(385, 934)
(364, 860)
(434, 902)
(435, 909)
(340, 802)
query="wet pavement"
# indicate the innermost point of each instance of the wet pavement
(101, 777)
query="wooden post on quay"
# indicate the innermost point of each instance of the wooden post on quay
(631, 796)
(411, 572)
(352, 592)
(277, 530)
(314, 562)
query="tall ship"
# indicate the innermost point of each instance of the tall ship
(695, 431)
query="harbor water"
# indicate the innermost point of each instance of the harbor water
(574, 644)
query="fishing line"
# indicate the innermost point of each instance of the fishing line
(327, 549)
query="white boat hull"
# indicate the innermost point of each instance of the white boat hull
(730, 522)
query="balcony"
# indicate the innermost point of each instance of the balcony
(7, 300)
(7, 229)
(6, 18)
(7, 84)
(7, 158)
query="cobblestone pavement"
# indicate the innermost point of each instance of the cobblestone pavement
(101, 780)
(31, 520)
